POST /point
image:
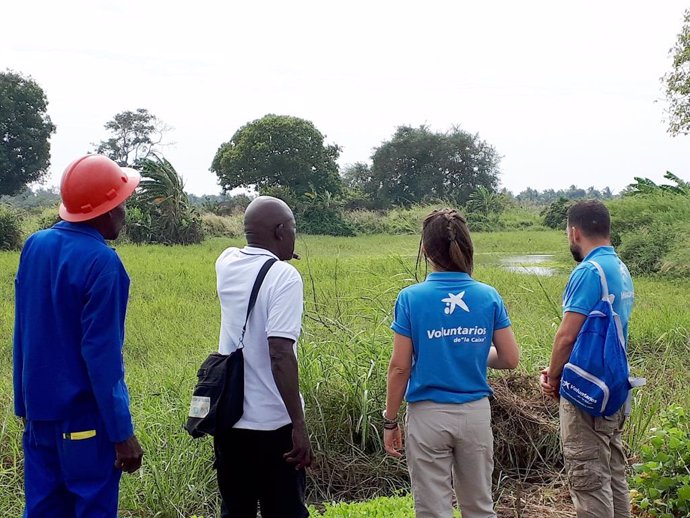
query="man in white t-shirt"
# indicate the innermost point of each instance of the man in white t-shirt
(262, 461)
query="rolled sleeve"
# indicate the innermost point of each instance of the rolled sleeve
(103, 321)
(285, 310)
(401, 320)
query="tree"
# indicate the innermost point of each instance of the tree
(556, 214)
(135, 137)
(418, 165)
(278, 151)
(357, 175)
(160, 210)
(25, 128)
(677, 82)
(486, 202)
(647, 186)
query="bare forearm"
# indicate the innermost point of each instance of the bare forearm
(285, 374)
(495, 362)
(397, 383)
(562, 347)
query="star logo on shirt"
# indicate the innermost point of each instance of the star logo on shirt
(453, 301)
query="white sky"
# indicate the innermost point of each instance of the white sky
(567, 92)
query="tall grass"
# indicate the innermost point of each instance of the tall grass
(350, 288)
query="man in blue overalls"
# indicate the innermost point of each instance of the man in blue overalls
(69, 387)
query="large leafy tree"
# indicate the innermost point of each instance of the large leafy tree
(134, 137)
(677, 82)
(418, 165)
(278, 152)
(25, 128)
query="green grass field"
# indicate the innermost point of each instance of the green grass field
(350, 288)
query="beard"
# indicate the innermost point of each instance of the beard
(576, 251)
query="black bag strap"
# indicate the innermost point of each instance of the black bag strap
(255, 293)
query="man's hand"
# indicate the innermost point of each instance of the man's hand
(393, 442)
(128, 455)
(550, 387)
(301, 454)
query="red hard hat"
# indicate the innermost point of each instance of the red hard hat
(93, 185)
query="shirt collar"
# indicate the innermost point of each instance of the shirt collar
(255, 250)
(600, 250)
(448, 276)
(80, 228)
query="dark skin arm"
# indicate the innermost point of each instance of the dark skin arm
(284, 368)
(128, 455)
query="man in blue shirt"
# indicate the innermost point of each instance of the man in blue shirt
(69, 388)
(592, 446)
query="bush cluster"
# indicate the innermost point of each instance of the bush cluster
(556, 214)
(10, 229)
(652, 232)
(660, 486)
(222, 226)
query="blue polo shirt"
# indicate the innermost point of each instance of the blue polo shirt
(451, 319)
(584, 290)
(71, 295)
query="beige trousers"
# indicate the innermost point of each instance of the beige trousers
(595, 462)
(446, 444)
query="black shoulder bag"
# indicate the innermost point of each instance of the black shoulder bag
(218, 398)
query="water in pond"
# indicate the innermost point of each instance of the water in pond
(531, 264)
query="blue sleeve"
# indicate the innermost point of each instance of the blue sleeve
(18, 358)
(401, 321)
(582, 292)
(501, 319)
(103, 324)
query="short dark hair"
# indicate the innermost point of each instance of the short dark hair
(446, 241)
(591, 217)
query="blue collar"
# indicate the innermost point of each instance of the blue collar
(449, 276)
(80, 228)
(600, 250)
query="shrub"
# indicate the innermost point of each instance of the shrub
(47, 218)
(651, 232)
(367, 221)
(222, 226)
(10, 229)
(319, 217)
(643, 251)
(556, 214)
(661, 484)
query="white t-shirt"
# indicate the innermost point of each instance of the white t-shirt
(277, 313)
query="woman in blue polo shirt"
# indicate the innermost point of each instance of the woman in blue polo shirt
(447, 330)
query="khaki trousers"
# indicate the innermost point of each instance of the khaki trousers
(595, 462)
(446, 443)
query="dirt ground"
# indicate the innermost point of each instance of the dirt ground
(535, 501)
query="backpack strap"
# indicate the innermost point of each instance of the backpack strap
(254, 294)
(604, 285)
(608, 298)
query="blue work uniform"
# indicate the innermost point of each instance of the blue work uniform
(451, 319)
(71, 295)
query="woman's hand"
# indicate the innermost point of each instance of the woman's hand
(393, 442)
